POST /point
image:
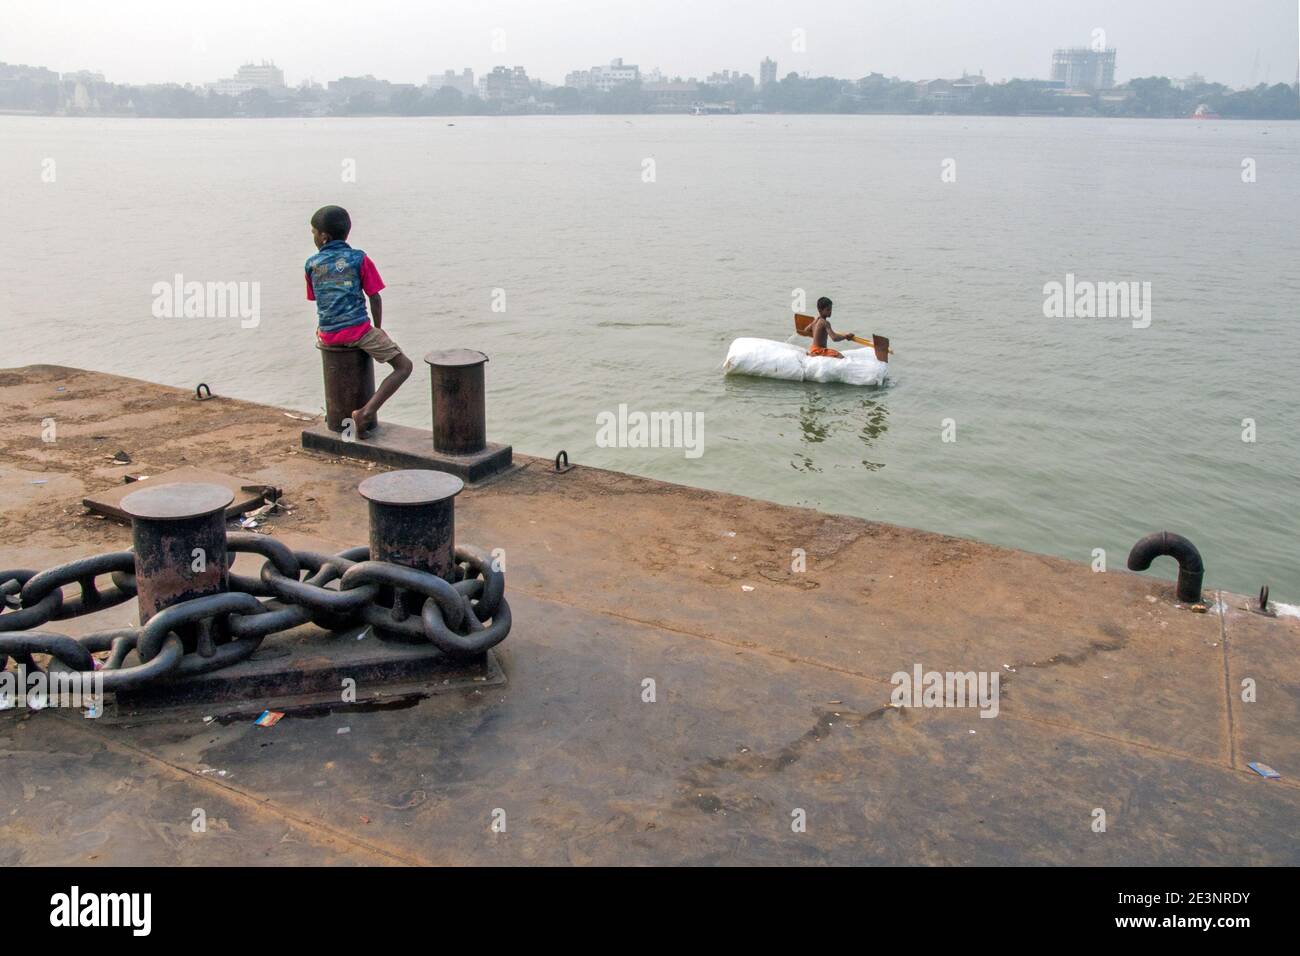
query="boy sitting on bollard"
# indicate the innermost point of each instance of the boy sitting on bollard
(339, 280)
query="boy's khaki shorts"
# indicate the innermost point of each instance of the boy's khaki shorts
(374, 343)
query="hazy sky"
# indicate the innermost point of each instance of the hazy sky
(186, 41)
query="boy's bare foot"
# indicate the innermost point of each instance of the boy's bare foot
(362, 421)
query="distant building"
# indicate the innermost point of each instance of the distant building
(21, 71)
(730, 78)
(936, 92)
(1082, 68)
(947, 92)
(81, 100)
(766, 71)
(967, 85)
(462, 81)
(505, 85)
(603, 78)
(578, 79)
(346, 86)
(671, 97)
(251, 76)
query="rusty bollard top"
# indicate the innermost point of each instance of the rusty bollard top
(178, 533)
(455, 358)
(413, 519)
(412, 486)
(179, 501)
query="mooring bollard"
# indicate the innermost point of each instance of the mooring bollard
(179, 539)
(427, 588)
(413, 519)
(459, 417)
(415, 586)
(349, 383)
(456, 445)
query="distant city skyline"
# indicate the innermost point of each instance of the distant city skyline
(1072, 67)
(1238, 43)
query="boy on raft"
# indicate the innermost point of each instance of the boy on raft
(821, 328)
(339, 280)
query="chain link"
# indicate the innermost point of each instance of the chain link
(461, 618)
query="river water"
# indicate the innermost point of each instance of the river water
(607, 261)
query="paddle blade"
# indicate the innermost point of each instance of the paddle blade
(881, 345)
(803, 323)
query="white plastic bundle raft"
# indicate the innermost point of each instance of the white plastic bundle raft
(768, 359)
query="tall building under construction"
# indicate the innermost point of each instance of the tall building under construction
(1082, 68)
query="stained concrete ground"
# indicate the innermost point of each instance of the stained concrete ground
(772, 686)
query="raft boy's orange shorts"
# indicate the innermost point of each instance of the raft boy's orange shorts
(824, 352)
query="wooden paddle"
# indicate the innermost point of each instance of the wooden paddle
(803, 325)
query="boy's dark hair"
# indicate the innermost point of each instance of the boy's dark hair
(822, 303)
(334, 221)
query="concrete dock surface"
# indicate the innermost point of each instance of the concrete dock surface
(771, 685)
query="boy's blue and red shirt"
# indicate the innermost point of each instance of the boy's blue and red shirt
(338, 280)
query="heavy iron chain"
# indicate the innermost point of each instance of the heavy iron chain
(461, 618)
